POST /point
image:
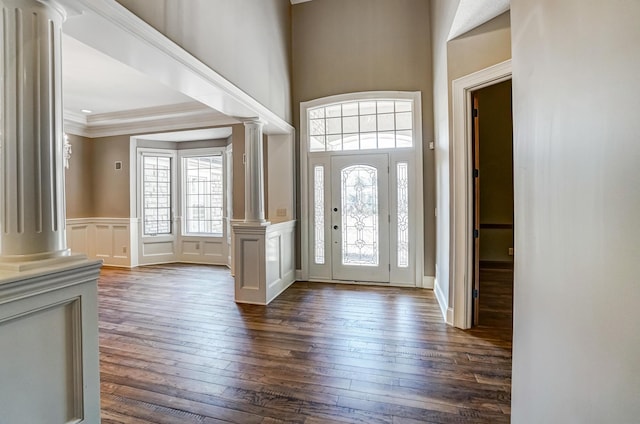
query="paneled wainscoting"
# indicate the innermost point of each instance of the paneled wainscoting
(175, 348)
(108, 239)
(116, 241)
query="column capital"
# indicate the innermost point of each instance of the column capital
(253, 121)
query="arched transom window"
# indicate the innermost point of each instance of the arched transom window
(361, 125)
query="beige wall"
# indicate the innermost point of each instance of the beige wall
(367, 45)
(111, 186)
(576, 337)
(442, 14)
(94, 188)
(247, 42)
(478, 49)
(79, 178)
(496, 171)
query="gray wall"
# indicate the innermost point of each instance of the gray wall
(496, 171)
(247, 42)
(576, 346)
(367, 45)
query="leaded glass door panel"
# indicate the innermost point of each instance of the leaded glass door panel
(360, 217)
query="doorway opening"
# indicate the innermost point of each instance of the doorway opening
(461, 251)
(492, 152)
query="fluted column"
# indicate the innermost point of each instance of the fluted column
(32, 201)
(253, 173)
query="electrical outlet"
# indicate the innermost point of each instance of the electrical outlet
(281, 212)
(511, 251)
(124, 249)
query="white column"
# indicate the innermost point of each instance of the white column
(253, 172)
(32, 202)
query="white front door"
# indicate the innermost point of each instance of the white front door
(360, 217)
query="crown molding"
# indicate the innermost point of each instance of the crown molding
(180, 116)
(107, 26)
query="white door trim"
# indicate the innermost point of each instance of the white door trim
(461, 246)
(416, 97)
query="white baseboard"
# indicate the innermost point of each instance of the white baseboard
(428, 282)
(450, 316)
(442, 302)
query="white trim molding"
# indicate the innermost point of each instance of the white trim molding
(428, 282)
(461, 246)
(108, 239)
(153, 119)
(264, 260)
(55, 306)
(110, 28)
(440, 297)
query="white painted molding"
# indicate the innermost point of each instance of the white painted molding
(442, 301)
(461, 246)
(56, 307)
(264, 261)
(161, 118)
(428, 282)
(107, 26)
(108, 239)
(449, 319)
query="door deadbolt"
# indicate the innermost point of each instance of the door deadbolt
(335, 209)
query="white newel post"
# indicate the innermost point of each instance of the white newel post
(48, 296)
(253, 172)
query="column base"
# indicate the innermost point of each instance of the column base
(36, 262)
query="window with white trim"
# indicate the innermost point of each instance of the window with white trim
(203, 195)
(156, 195)
(361, 125)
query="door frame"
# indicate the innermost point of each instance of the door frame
(416, 97)
(461, 203)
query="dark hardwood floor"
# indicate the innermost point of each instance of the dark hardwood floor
(496, 298)
(175, 348)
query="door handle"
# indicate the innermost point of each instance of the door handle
(335, 209)
(335, 227)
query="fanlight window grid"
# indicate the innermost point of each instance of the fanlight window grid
(318, 203)
(360, 216)
(402, 171)
(361, 125)
(203, 195)
(156, 193)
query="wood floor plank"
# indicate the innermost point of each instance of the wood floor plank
(176, 348)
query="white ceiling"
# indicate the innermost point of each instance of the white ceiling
(473, 13)
(96, 82)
